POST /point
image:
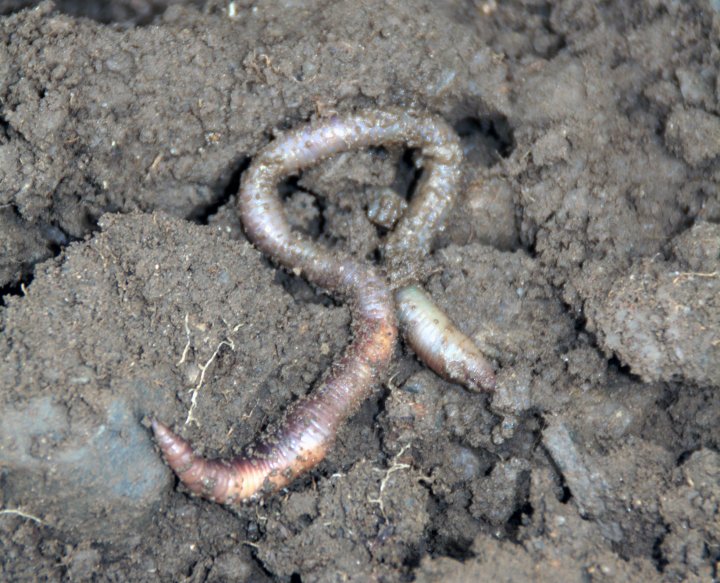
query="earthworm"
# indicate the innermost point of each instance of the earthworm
(443, 347)
(309, 427)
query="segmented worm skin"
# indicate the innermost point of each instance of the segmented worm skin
(301, 440)
(443, 347)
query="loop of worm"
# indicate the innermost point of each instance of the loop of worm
(309, 427)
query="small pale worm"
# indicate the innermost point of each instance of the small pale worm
(439, 343)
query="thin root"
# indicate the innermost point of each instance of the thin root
(18, 512)
(395, 467)
(196, 389)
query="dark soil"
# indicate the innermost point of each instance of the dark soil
(584, 259)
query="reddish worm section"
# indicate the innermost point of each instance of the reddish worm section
(302, 439)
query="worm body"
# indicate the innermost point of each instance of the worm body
(262, 214)
(439, 343)
(386, 207)
(301, 440)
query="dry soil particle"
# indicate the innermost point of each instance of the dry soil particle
(694, 134)
(661, 318)
(364, 524)
(692, 512)
(579, 551)
(125, 13)
(22, 247)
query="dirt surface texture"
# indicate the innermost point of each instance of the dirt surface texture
(583, 258)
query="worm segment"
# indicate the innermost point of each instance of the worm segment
(439, 343)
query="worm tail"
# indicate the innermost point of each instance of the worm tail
(439, 343)
(235, 480)
(302, 439)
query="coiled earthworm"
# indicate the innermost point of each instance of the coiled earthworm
(309, 427)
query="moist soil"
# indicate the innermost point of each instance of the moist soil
(583, 258)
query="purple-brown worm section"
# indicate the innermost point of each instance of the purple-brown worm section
(302, 439)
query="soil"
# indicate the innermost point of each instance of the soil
(584, 258)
